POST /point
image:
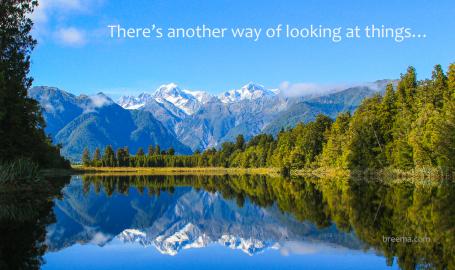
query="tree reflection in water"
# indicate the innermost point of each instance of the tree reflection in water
(24, 216)
(373, 209)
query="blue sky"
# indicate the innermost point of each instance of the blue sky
(75, 51)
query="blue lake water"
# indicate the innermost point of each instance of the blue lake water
(245, 222)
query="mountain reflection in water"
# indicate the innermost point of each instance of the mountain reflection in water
(178, 215)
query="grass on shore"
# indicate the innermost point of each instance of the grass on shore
(387, 174)
(175, 170)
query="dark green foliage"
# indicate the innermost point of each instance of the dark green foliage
(21, 124)
(332, 154)
(19, 171)
(413, 126)
(109, 159)
(407, 128)
(171, 151)
(86, 157)
(240, 142)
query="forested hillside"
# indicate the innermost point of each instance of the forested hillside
(410, 126)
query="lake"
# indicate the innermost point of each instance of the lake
(229, 222)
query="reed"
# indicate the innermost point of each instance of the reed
(19, 171)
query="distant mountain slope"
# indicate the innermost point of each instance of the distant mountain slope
(97, 121)
(184, 119)
(59, 107)
(330, 105)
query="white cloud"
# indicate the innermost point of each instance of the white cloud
(304, 248)
(100, 239)
(51, 16)
(71, 36)
(47, 8)
(288, 89)
(96, 101)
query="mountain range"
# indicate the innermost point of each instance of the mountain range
(183, 119)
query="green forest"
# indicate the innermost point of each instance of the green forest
(22, 136)
(408, 126)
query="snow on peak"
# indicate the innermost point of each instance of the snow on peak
(190, 236)
(201, 96)
(249, 91)
(133, 102)
(190, 101)
(187, 237)
(169, 95)
(179, 98)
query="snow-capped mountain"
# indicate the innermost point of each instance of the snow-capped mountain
(133, 102)
(168, 95)
(201, 96)
(249, 91)
(190, 236)
(195, 119)
(190, 101)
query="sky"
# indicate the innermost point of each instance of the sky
(76, 53)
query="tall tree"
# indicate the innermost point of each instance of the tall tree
(97, 158)
(332, 155)
(451, 79)
(150, 151)
(240, 142)
(109, 157)
(171, 151)
(86, 157)
(140, 152)
(21, 123)
(406, 92)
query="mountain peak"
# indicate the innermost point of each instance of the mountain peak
(182, 99)
(134, 103)
(168, 89)
(251, 86)
(250, 91)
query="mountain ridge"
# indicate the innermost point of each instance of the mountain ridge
(184, 119)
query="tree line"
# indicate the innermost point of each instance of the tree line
(409, 126)
(22, 135)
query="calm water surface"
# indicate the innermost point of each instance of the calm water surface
(236, 222)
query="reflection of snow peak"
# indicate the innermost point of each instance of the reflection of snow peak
(191, 236)
(249, 246)
(188, 237)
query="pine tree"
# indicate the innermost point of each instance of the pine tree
(366, 144)
(451, 80)
(151, 151)
(140, 152)
(401, 150)
(109, 159)
(332, 155)
(387, 117)
(240, 142)
(171, 151)
(439, 86)
(86, 157)
(96, 158)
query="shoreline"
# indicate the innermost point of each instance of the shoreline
(174, 170)
(432, 174)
